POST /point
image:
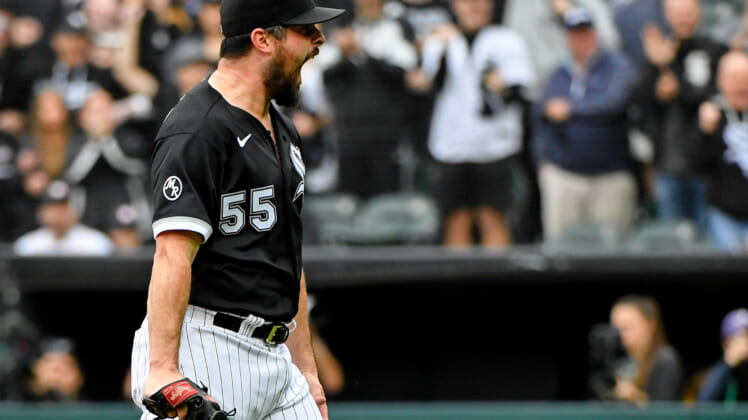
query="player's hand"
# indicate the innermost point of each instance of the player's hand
(315, 388)
(156, 380)
(709, 116)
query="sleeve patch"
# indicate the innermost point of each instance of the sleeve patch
(172, 188)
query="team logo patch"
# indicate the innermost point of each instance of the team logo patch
(172, 188)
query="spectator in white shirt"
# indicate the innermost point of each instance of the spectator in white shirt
(61, 233)
(480, 73)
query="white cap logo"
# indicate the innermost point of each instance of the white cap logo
(172, 188)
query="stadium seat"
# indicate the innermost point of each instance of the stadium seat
(397, 218)
(332, 207)
(585, 238)
(331, 213)
(665, 236)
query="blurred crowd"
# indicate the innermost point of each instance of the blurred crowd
(520, 120)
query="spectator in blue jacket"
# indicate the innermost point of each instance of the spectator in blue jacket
(581, 136)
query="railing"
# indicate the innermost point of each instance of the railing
(351, 266)
(418, 411)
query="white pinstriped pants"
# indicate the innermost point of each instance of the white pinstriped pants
(242, 372)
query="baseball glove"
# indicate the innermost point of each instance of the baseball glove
(201, 406)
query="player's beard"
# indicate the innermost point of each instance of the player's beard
(282, 84)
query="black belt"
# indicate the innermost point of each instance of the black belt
(272, 333)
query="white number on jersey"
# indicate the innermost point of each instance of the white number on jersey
(232, 215)
(263, 212)
(262, 209)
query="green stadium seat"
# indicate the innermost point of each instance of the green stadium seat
(331, 213)
(396, 218)
(665, 236)
(337, 207)
(585, 238)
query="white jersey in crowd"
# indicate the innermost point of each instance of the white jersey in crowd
(459, 132)
(382, 39)
(79, 240)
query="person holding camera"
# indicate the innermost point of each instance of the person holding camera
(652, 369)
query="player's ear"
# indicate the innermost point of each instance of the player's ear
(262, 40)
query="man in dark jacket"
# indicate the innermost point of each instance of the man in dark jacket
(725, 126)
(581, 136)
(680, 75)
(364, 66)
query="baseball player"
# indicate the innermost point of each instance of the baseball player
(226, 331)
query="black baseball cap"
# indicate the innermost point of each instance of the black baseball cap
(58, 191)
(72, 23)
(242, 16)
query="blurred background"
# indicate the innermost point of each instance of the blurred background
(514, 209)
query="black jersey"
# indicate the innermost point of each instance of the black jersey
(215, 172)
